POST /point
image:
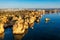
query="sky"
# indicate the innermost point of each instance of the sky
(29, 3)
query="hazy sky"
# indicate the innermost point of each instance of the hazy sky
(29, 3)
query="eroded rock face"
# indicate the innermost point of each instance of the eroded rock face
(22, 20)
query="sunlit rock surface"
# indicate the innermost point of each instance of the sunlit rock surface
(22, 21)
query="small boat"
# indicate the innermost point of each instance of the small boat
(47, 20)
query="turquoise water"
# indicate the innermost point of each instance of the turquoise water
(41, 31)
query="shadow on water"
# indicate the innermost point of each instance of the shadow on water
(19, 36)
(2, 36)
(8, 34)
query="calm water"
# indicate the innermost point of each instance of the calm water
(45, 31)
(41, 31)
